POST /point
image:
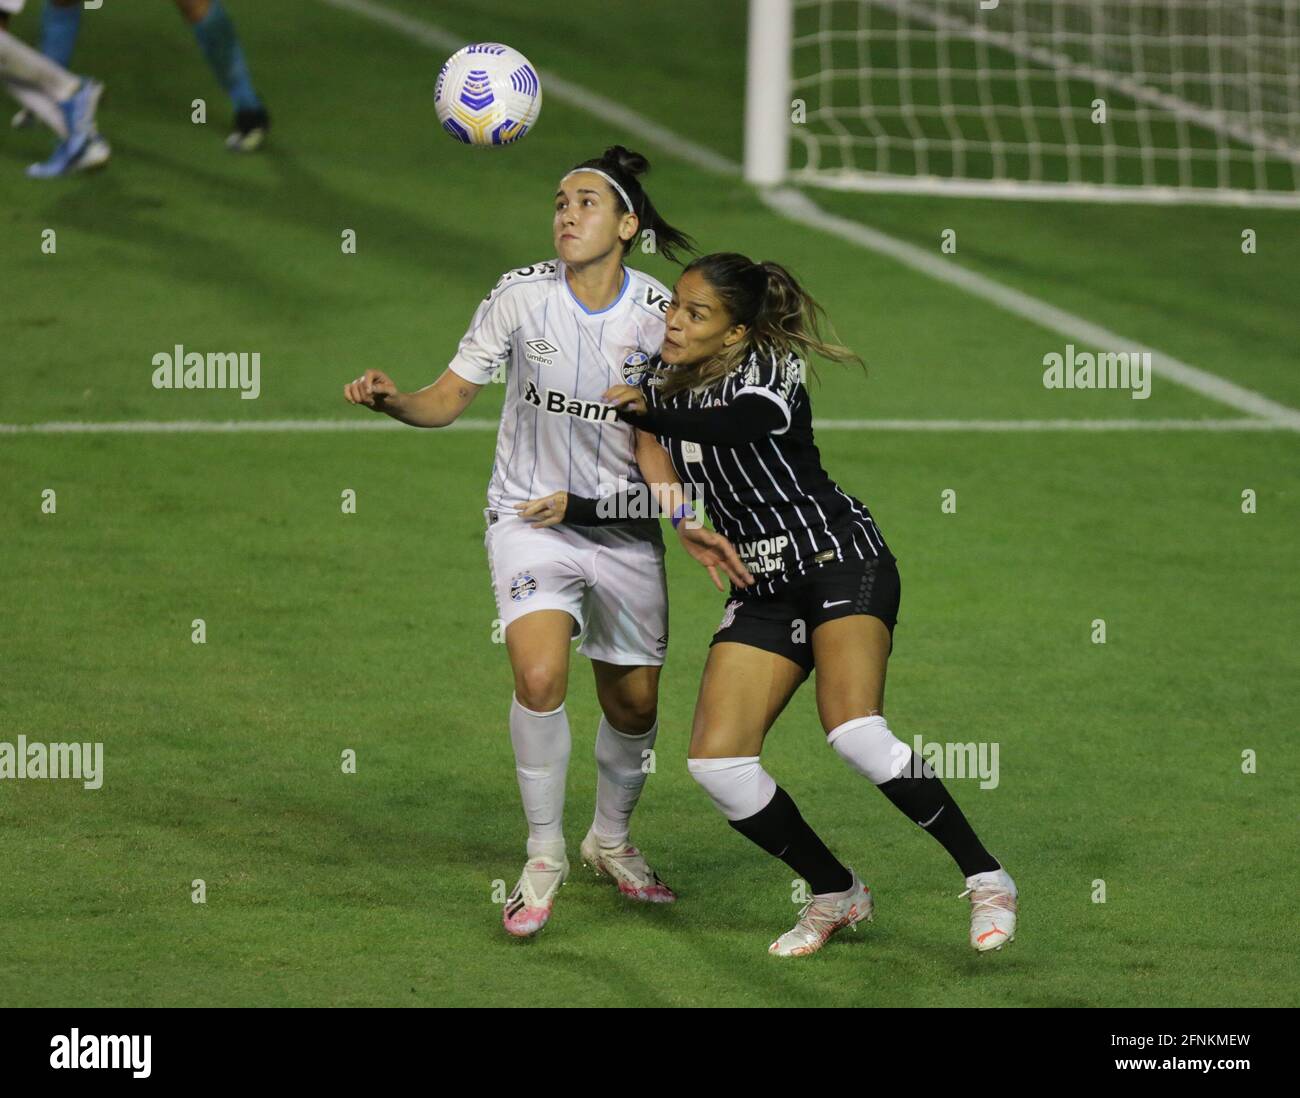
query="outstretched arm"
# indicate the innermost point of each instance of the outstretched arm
(708, 547)
(435, 405)
(657, 470)
(574, 510)
(749, 417)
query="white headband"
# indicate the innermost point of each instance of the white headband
(612, 182)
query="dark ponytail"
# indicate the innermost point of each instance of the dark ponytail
(625, 166)
(781, 318)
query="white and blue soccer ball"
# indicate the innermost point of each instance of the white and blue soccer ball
(488, 94)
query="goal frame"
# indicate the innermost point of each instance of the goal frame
(769, 132)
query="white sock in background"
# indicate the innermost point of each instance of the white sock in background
(20, 61)
(620, 776)
(40, 104)
(541, 742)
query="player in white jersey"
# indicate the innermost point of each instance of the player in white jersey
(560, 333)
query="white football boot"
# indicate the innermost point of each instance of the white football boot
(529, 905)
(821, 917)
(97, 154)
(627, 867)
(992, 909)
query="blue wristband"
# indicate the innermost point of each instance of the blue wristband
(684, 510)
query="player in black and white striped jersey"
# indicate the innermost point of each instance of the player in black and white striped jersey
(772, 497)
(728, 402)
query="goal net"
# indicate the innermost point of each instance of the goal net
(1127, 100)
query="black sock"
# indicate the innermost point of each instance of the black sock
(783, 833)
(922, 798)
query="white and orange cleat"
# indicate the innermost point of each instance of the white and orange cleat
(821, 917)
(993, 908)
(529, 906)
(626, 866)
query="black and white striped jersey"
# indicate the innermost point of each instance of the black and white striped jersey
(771, 498)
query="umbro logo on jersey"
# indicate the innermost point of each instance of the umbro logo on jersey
(537, 351)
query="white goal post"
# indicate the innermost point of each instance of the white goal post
(1107, 100)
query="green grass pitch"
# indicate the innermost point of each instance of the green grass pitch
(1119, 762)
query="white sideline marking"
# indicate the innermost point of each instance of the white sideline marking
(799, 208)
(265, 426)
(1009, 425)
(1127, 194)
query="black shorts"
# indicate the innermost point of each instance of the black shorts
(827, 592)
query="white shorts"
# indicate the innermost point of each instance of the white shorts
(13, 7)
(610, 579)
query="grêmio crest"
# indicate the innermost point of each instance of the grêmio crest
(634, 367)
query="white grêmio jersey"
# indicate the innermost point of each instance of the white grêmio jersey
(557, 358)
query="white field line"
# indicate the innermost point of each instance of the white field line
(268, 426)
(799, 208)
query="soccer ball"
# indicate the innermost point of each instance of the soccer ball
(488, 94)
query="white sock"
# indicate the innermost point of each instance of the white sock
(40, 104)
(541, 742)
(620, 775)
(19, 61)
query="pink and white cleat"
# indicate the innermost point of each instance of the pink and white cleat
(993, 909)
(627, 867)
(821, 917)
(529, 906)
